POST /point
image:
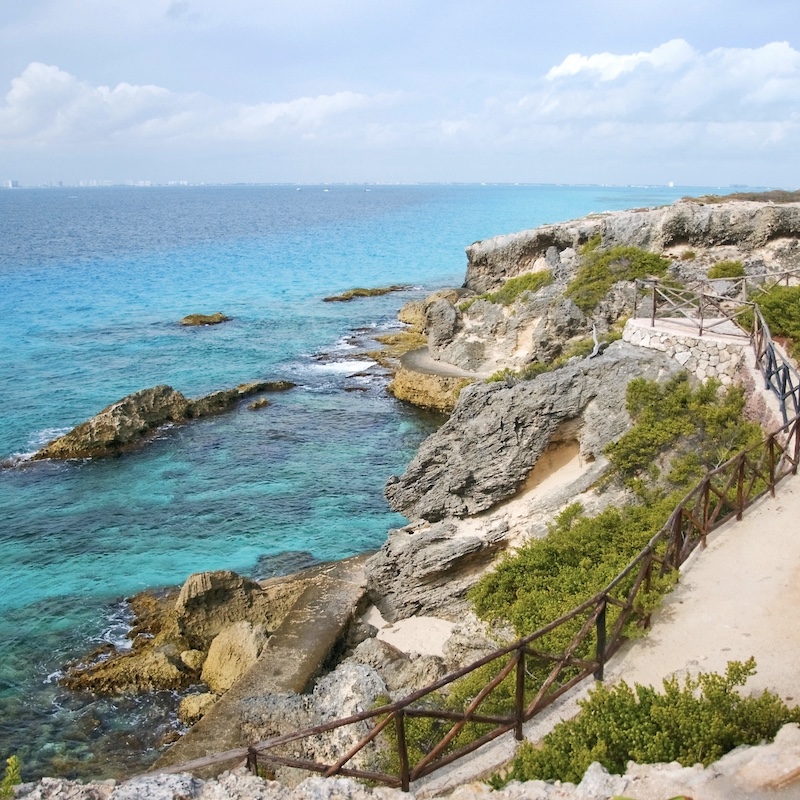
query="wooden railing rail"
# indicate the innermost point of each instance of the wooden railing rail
(536, 674)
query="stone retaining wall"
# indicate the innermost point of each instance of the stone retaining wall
(705, 357)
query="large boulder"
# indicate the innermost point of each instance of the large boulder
(120, 425)
(232, 652)
(209, 602)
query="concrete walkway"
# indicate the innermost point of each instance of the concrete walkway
(739, 597)
(295, 651)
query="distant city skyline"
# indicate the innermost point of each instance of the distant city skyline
(703, 93)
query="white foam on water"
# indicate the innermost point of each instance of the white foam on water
(345, 367)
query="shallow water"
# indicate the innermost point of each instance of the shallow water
(93, 282)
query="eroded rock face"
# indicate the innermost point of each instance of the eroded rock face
(429, 570)
(496, 433)
(128, 422)
(757, 231)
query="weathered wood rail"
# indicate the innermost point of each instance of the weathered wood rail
(530, 674)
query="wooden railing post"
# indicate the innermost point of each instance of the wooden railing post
(600, 650)
(252, 760)
(402, 750)
(519, 700)
(740, 489)
(653, 311)
(702, 298)
(771, 449)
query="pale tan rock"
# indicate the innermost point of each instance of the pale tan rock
(193, 659)
(194, 706)
(234, 650)
(437, 392)
(210, 601)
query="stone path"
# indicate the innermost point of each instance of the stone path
(296, 649)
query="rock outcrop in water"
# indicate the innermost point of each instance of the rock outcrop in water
(173, 635)
(193, 320)
(128, 422)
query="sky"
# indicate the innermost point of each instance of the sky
(695, 92)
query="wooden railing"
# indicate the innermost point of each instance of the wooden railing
(533, 672)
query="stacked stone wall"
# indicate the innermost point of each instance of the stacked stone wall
(705, 356)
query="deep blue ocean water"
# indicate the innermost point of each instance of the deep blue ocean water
(92, 284)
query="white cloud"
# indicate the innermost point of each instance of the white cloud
(607, 66)
(47, 105)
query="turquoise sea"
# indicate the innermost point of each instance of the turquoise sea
(92, 284)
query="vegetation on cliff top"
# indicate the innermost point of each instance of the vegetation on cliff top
(771, 196)
(695, 723)
(780, 307)
(600, 269)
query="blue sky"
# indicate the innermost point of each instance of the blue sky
(577, 91)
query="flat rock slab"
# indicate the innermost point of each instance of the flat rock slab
(289, 662)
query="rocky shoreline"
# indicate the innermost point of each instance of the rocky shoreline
(513, 452)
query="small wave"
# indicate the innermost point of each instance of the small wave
(40, 438)
(118, 623)
(345, 367)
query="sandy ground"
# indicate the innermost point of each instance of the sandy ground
(738, 598)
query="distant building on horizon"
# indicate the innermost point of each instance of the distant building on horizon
(11, 184)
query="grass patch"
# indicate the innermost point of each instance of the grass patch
(513, 288)
(700, 428)
(697, 722)
(727, 269)
(601, 269)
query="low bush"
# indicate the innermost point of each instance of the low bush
(697, 722)
(701, 428)
(780, 307)
(727, 269)
(513, 288)
(601, 269)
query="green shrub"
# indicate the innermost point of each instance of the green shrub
(780, 307)
(700, 427)
(11, 778)
(514, 288)
(688, 255)
(727, 269)
(695, 723)
(601, 269)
